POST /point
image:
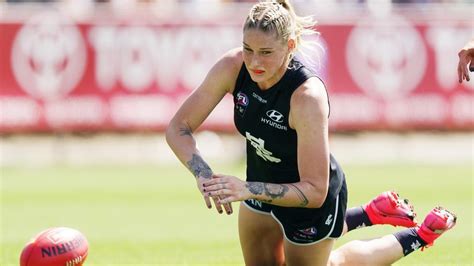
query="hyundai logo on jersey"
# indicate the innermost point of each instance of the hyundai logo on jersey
(275, 116)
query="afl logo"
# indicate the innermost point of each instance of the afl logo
(242, 99)
(275, 116)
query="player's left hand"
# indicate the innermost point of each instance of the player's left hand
(227, 188)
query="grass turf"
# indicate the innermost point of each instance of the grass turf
(154, 215)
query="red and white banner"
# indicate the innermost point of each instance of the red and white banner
(56, 75)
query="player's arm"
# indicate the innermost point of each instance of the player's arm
(196, 109)
(308, 116)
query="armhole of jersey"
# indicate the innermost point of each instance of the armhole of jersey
(307, 74)
(240, 79)
(327, 95)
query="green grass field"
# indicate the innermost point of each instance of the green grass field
(151, 215)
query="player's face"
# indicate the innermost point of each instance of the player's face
(265, 57)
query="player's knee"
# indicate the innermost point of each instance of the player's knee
(352, 253)
(270, 255)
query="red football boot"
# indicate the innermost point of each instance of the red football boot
(438, 221)
(388, 208)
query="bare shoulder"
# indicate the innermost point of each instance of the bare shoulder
(309, 100)
(234, 56)
(311, 92)
(227, 68)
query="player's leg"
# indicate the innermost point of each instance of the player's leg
(379, 251)
(312, 245)
(261, 238)
(308, 255)
(386, 208)
(388, 249)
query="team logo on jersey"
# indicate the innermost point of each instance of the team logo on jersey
(275, 116)
(312, 231)
(305, 235)
(329, 220)
(275, 119)
(259, 145)
(241, 103)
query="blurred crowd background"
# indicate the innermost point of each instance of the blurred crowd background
(78, 75)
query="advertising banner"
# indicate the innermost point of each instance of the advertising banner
(59, 75)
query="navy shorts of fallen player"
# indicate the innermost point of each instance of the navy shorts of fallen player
(304, 226)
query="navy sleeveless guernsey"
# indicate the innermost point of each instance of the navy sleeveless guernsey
(261, 116)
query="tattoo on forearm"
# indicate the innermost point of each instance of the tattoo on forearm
(185, 131)
(275, 190)
(255, 188)
(199, 167)
(303, 198)
(271, 190)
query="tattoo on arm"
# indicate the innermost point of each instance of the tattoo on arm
(255, 188)
(275, 190)
(185, 131)
(271, 190)
(199, 167)
(304, 200)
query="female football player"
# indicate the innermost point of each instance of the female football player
(293, 202)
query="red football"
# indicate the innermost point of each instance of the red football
(59, 246)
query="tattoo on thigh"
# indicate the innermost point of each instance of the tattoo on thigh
(303, 198)
(185, 131)
(199, 167)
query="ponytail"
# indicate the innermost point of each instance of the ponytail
(303, 26)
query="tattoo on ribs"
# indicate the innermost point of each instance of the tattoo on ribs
(185, 131)
(199, 167)
(304, 200)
